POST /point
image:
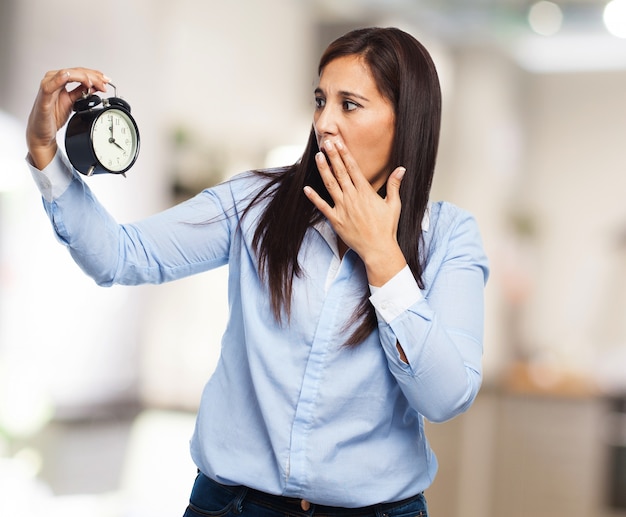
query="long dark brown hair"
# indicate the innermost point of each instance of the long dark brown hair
(405, 74)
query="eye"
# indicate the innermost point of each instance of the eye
(320, 102)
(349, 105)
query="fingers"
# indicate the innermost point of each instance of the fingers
(393, 184)
(338, 170)
(53, 105)
(327, 175)
(344, 168)
(343, 177)
(319, 203)
(92, 79)
(89, 80)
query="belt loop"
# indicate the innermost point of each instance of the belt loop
(238, 502)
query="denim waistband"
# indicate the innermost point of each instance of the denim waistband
(293, 506)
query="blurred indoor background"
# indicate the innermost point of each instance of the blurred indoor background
(98, 387)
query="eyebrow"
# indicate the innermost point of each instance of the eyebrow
(343, 93)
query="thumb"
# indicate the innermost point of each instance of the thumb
(393, 184)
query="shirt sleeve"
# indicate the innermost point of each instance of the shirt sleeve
(54, 179)
(441, 330)
(188, 238)
(396, 296)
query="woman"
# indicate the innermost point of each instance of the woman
(356, 306)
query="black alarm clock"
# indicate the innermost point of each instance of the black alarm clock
(102, 136)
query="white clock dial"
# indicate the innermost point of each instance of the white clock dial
(114, 140)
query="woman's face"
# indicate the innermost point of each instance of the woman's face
(349, 108)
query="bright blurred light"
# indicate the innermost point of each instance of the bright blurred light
(571, 53)
(25, 406)
(545, 18)
(25, 414)
(283, 155)
(30, 460)
(615, 18)
(13, 170)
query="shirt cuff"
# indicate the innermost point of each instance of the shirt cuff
(396, 296)
(55, 178)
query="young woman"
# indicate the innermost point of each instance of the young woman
(356, 305)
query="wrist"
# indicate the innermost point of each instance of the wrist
(384, 265)
(41, 157)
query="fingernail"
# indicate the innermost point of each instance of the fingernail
(106, 79)
(339, 145)
(328, 145)
(320, 157)
(400, 173)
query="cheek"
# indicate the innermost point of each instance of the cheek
(380, 135)
(380, 146)
(373, 155)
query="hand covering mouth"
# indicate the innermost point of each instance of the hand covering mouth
(323, 151)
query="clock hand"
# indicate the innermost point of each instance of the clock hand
(112, 141)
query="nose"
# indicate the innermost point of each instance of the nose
(325, 123)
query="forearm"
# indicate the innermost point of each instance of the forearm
(383, 265)
(434, 346)
(167, 246)
(42, 156)
(440, 372)
(78, 219)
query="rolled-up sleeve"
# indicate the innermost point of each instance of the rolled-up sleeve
(440, 329)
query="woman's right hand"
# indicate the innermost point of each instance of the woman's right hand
(53, 106)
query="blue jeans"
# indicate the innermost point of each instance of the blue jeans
(209, 498)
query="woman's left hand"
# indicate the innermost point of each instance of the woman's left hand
(363, 220)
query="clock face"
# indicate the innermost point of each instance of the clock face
(114, 139)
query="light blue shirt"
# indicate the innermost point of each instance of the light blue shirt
(289, 410)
